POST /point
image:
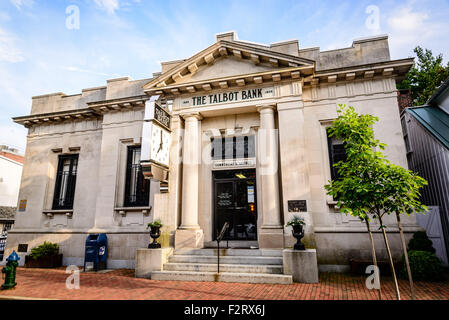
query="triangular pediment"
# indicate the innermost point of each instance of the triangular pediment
(228, 66)
(227, 61)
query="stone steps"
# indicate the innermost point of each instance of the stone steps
(236, 265)
(237, 268)
(229, 252)
(258, 260)
(222, 277)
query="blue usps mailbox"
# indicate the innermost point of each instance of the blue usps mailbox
(96, 250)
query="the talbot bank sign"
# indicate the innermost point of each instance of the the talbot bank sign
(232, 96)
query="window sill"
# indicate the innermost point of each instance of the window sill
(333, 203)
(124, 210)
(51, 213)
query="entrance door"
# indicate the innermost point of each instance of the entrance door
(235, 203)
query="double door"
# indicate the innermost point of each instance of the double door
(235, 203)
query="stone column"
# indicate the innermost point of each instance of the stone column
(189, 233)
(271, 231)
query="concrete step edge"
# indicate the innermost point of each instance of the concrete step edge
(254, 268)
(221, 277)
(230, 252)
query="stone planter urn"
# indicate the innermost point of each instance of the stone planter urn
(155, 232)
(298, 233)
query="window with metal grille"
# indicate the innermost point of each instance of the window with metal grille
(137, 188)
(337, 153)
(237, 147)
(5, 228)
(65, 182)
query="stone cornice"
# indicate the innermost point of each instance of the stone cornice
(94, 110)
(273, 76)
(52, 117)
(393, 68)
(118, 104)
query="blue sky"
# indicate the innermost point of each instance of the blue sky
(39, 54)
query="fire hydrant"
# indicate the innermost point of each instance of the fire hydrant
(9, 272)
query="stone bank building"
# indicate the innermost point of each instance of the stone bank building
(236, 133)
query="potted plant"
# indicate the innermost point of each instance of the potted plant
(44, 256)
(297, 223)
(155, 232)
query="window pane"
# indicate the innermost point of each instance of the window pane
(240, 147)
(337, 153)
(228, 147)
(137, 188)
(65, 182)
(216, 148)
(237, 147)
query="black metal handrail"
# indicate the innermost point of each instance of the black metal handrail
(219, 238)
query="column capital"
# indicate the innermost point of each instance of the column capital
(262, 107)
(188, 115)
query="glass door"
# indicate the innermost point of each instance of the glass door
(235, 202)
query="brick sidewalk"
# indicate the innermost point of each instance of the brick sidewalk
(121, 284)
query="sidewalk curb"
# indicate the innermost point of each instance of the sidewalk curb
(22, 298)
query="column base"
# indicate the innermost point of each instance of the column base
(271, 238)
(189, 238)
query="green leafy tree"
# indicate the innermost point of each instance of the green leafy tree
(369, 186)
(402, 190)
(427, 74)
(355, 188)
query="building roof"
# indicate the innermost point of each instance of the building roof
(15, 157)
(442, 89)
(434, 120)
(7, 213)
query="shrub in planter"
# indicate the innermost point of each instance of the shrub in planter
(424, 266)
(297, 223)
(45, 250)
(420, 242)
(155, 232)
(44, 256)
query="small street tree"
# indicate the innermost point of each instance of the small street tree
(355, 187)
(402, 187)
(369, 186)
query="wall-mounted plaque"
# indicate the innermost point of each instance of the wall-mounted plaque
(297, 206)
(23, 247)
(22, 205)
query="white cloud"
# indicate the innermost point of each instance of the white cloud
(4, 16)
(20, 3)
(405, 20)
(8, 50)
(13, 135)
(110, 6)
(409, 27)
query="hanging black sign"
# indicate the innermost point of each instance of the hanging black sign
(162, 116)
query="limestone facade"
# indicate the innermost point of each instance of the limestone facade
(282, 95)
